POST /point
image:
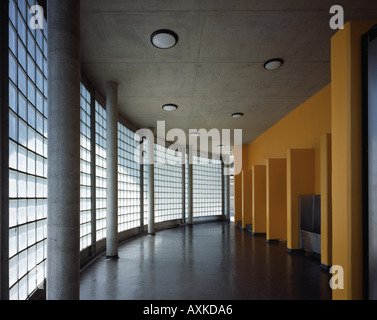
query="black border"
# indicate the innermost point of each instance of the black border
(366, 38)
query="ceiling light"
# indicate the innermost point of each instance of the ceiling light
(273, 64)
(164, 39)
(221, 146)
(170, 107)
(195, 134)
(237, 115)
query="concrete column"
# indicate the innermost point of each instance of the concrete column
(4, 153)
(150, 154)
(223, 207)
(183, 161)
(227, 193)
(63, 241)
(112, 170)
(190, 195)
(141, 191)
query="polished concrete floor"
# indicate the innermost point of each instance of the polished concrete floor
(212, 261)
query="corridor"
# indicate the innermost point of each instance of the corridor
(211, 261)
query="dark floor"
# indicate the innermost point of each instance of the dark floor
(212, 261)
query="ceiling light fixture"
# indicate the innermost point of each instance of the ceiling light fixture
(221, 146)
(170, 107)
(164, 39)
(237, 115)
(194, 134)
(273, 64)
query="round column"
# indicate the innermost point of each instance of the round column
(112, 170)
(63, 226)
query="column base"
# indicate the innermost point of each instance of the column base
(116, 257)
(296, 251)
(272, 241)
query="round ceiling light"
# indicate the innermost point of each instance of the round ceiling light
(170, 107)
(164, 39)
(273, 64)
(237, 115)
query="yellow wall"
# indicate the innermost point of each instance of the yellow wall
(239, 152)
(300, 129)
(326, 202)
(336, 109)
(300, 181)
(246, 198)
(346, 156)
(276, 199)
(259, 199)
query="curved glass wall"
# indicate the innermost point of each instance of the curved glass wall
(100, 196)
(27, 153)
(128, 181)
(167, 185)
(28, 166)
(207, 187)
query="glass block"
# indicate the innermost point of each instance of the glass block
(13, 68)
(22, 245)
(31, 115)
(22, 55)
(22, 80)
(31, 207)
(40, 123)
(31, 163)
(13, 242)
(32, 280)
(13, 272)
(12, 39)
(31, 259)
(22, 212)
(31, 45)
(31, 92)
(13, 12)
(22, 156)
(22, 288)
(40, 80)
(39, 166)
(13, 177)
(12, 155)
(30, 186)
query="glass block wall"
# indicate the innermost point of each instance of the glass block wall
(207, 187)
(100, 115)
(27, 152)
(85, 169)
(167, 184)
(128, 181)
(28, 121)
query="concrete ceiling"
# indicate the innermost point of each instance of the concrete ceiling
(217, 67)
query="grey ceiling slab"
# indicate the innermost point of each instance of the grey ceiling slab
(259, 36)
(125, 37)
(217, 67)
(142, 5)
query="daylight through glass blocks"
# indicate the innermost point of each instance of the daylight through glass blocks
(27, 152)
